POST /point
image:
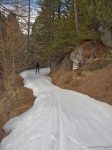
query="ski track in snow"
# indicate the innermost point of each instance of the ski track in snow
(59, 120)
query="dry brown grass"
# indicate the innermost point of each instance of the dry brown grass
(97, 84)
(12, 106)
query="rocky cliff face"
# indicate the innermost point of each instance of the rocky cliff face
(106, 37)
(77, 58)
(93, 76)
(90, 55)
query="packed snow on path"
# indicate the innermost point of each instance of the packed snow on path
(59, 120)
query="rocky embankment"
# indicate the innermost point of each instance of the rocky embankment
(97, 84)
(92, 74)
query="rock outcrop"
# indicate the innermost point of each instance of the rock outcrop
(106, 36)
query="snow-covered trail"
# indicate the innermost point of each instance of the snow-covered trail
(59, 120)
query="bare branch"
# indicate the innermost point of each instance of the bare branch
(6, 9)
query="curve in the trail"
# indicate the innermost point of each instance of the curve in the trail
(59, 120)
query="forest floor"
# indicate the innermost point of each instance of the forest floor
(96, 84)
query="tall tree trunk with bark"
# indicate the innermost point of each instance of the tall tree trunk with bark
(76, 13)
(59, 9)
(3, 61)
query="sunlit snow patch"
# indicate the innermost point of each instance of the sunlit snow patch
(59, 120)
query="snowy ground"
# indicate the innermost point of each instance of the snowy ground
(59, 120)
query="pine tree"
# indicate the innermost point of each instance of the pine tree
(61, 24)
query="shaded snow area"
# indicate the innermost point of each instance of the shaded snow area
(59, 120)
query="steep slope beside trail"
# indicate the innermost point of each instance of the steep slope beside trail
(97, 84)
(59, 120)
(13, 106)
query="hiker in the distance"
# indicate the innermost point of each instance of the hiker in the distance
(37, 67)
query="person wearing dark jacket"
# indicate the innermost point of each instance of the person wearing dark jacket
(37, 67)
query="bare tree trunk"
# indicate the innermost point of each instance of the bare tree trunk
(28, 47)
(50, 22)
(52, 19)
(29, 9)
(76, 13)
(4, 61)
(59, 8)
(13, 72)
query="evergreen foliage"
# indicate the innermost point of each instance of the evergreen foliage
(55, 25)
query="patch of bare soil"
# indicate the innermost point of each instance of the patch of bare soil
(13, 104)
(96, 84)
